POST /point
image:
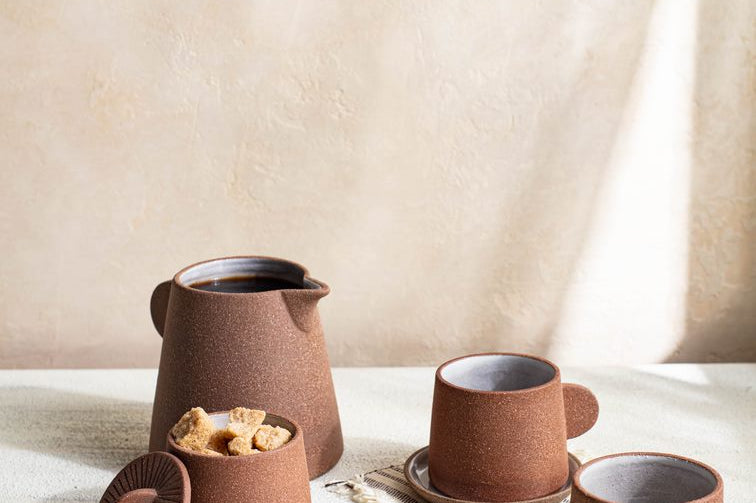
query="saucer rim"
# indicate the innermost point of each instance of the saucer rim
(422, 491)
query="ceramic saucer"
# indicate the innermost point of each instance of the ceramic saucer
(416, 472)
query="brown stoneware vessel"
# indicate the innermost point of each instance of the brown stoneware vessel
(260, 348)
(277, 476)
(500, 425)
(646, 477)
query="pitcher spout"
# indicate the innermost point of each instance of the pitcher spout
(302, 303)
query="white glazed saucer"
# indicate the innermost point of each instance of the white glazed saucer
(416, 472)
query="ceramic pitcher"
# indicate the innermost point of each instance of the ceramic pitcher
(260, 349)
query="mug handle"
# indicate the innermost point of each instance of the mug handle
(580, 408)
(159, 305)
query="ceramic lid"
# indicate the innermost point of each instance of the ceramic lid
(154, 477)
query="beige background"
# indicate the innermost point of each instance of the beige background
(574, 179)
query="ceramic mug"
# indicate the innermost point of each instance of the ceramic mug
(500, 425)
(277, 476)
(646, 477)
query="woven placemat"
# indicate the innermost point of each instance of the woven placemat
(385, 485)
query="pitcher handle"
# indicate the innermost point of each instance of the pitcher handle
(580, 408)
(159, 305)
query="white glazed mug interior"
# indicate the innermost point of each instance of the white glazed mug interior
(497, 372)
(646, 478)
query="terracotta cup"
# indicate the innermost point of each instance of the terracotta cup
(500, 425)
(277, 476)
(646, 477)
(262, 349)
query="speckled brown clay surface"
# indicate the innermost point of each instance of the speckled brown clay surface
(277, 476)
(261, 350)
(498, 427)
(154, 477)
(581, 412)
(646, 477)
(416, 473)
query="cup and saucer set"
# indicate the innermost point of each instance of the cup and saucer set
(499, 429)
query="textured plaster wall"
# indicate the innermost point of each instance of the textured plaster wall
(574, 179)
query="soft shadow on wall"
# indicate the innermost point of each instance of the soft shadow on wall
(667, 272)
(721, 321)
(466, 177)
(625, 301)
(508, 275)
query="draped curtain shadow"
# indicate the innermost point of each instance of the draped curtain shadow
(721, 321)
(519, 152)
